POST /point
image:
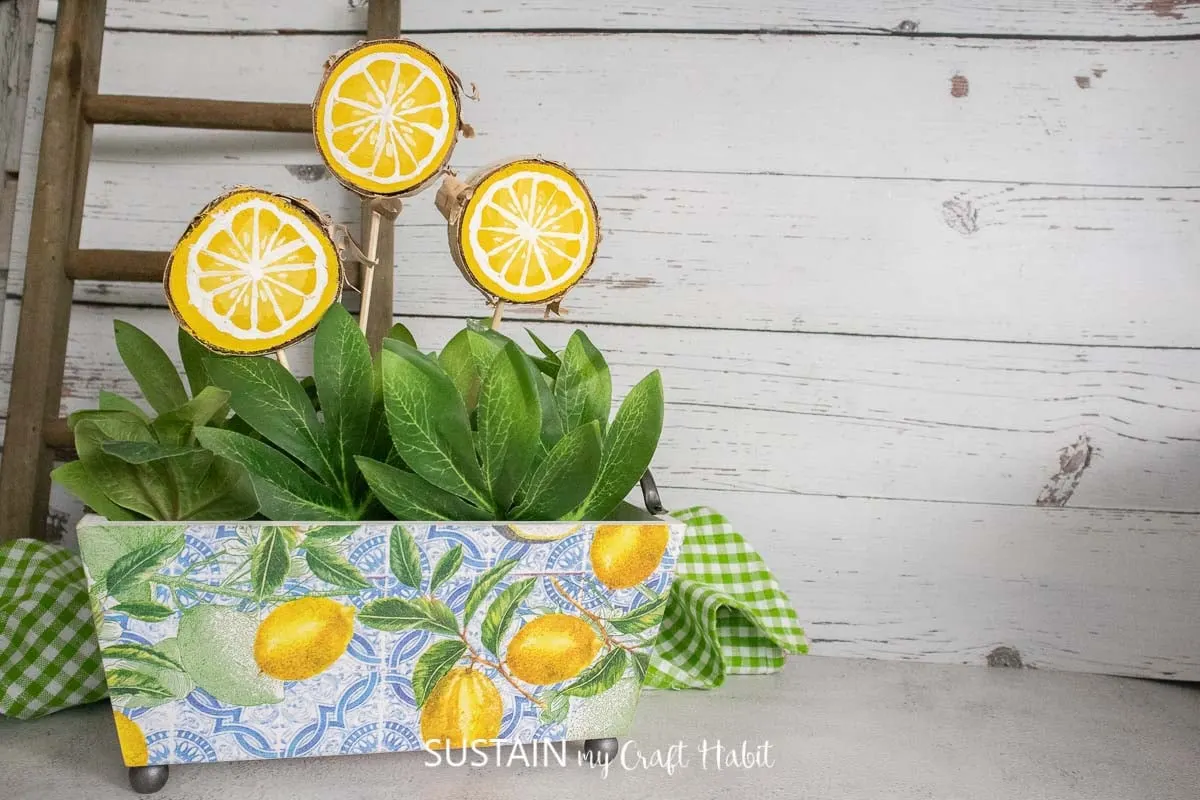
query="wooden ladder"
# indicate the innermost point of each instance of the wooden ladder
(54, 262)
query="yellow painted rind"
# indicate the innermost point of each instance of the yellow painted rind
(457, 230)
(338, 64)
(175, 274)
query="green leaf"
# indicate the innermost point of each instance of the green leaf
(146, 490)
(401, 334)
(501, 612)
(599, 677)
(429, 424)
(552, 421)
(110, 401)
(446, 567)
(466, 358)
(284, 490)
(510, 423)
(124, 682)
(193, 354)
(175, 427)
(151, 367)
(484, 584)
(138, 565)
(583, 387)
(558, 705)
(272, 401)
(166, 671)
(140, 653)
(398, 614)
(75, 478)
(103, 545)
(328, 534)
(330, 567)
(546, 349)
(564, 478)
(270, 560)
(411, 498)
(212, 489)
(404, 557)
(628, 447)
(345, 386)
(642, 618)
(641, 664)
(145, 452)
(432, 665)
(147, 612)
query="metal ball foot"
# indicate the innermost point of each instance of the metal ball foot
(600, 751)
(148, 780)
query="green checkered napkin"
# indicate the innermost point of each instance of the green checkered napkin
(48, 654)
(726, 614)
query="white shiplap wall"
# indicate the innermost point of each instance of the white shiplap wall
(902, 287)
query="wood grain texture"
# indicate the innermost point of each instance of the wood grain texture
(825, 253)
(987, 17)
(853, 416)
(1091, 591)
(1084, 265)
(742, 104)
(41, 338)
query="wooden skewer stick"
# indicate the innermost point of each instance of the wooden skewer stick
(497, 313)
(368, 273)
(282, 359)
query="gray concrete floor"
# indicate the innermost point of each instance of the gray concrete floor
(837, 729)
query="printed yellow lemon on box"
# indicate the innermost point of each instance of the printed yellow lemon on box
(386, 117)
(552, 648)
(463, 709)
(526, 231)
(625, 555)
(132, 741)
(303, 638)
(254, 272)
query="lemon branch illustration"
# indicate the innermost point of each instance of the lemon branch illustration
(476, 658)
(597, 621)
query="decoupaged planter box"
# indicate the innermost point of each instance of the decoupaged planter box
(250, 640)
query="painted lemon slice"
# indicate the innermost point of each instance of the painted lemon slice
(254, 272)
(539, 532)
(386, 117)
(527, 232)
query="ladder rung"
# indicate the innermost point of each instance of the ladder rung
(136, 266)
(117, 265)
(57, 435)
(183, 112)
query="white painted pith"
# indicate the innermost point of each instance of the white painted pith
(387, 119)
(261, 273)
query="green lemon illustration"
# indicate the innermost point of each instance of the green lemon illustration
(216, 646)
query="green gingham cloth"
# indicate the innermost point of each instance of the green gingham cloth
(725, 615)
(48, 654)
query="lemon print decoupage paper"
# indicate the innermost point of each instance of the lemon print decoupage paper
(256, 640)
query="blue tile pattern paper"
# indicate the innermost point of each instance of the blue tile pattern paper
(205, 627)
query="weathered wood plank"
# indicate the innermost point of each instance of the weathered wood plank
(859, 416)
(989, 17)
(1072, 589)
(782, 253)
(732, 103)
